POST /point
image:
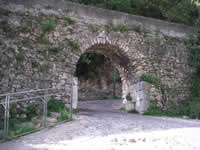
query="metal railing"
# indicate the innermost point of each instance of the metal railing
(40, 95)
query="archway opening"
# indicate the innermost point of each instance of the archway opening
(98, 78)
(132, 96)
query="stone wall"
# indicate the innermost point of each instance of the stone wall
(41, 42)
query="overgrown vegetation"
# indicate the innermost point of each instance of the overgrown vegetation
(193, 45)
(55, 50)
(18, 127)
(69, 20)
(48, 26)
(20, 57)
(133, 111)
(121, 28)
(59, 107)
(150, 79)
(180, 11)
(74, 45)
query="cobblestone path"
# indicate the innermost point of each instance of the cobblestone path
(101, 126)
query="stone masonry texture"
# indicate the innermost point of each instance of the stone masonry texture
(42, 40)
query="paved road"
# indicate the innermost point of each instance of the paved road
(101, 126)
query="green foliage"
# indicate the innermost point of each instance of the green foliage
(55, 50)
(74, 45)
(63, 115)
(181, 11)
(31, 111)
(104, 97)
(193, 45)
(150, 79)
(121, 28)
(195, 109)
(21, 130)
(154, 111)
(128, 97)
(48, 26)
(69, 20)
(133, 111)
(122, 109)
(55, 105)
(6, 27)
(44, 40)
(20, 57)
(17, 127)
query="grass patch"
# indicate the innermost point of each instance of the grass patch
(122, 109)
(50, 25)
(133, 111)
(55, 50)
(18, 127)
(20, 57)
(122, 28)
(172, 111)
(64, 115)
(104, 98)
(74, 45)
(20, 131)
(44, 40)
(69, 20)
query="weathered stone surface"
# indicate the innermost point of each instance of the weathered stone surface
(75, 93)
(29, 59)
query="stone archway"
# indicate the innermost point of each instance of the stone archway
(133, 90)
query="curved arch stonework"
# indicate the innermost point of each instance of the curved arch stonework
(31, 57)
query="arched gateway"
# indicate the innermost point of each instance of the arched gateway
(43, 40)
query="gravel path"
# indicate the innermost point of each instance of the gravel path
(101, 126)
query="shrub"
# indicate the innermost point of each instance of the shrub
(63, 115)
(31, 111)
(195, 109)
(55, 105)
(154, 110)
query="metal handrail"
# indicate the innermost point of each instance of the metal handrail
(44, 96)
(23, 92)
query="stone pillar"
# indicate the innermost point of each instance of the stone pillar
(75, 93)
(141, 96)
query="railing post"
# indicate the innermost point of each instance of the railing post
(45, 101)
(6, 116)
